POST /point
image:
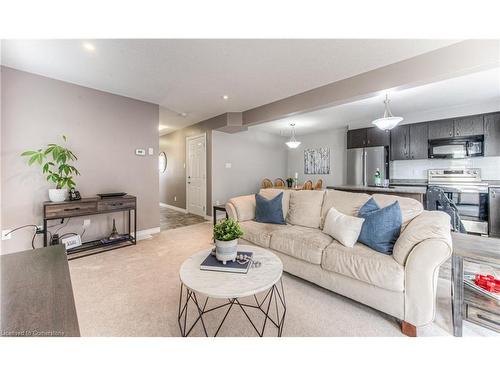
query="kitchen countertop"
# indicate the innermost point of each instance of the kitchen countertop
(416, 182)
(394, 189)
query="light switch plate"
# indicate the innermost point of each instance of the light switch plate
(140, 152)
(228, 165)
(151, 151)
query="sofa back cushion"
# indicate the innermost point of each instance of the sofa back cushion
(343, 201)
(410, 208)
(244, 206)
(269, 210)
(305, 208)
(271, 193)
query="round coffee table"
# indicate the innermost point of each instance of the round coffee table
(197, 284)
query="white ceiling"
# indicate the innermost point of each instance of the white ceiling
(191, 76)
(441, 99)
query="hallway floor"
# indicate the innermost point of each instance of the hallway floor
(171, 219)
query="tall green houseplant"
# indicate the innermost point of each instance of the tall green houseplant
(56, 162)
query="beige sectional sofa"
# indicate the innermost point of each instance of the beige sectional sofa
(402, 284)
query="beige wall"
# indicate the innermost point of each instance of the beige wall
(253, 155)
(173, 181)
(102, 129)
(336, 140)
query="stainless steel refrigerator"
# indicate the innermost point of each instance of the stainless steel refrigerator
(363, 162)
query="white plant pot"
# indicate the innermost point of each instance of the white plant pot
(226, 250)
(58, 195)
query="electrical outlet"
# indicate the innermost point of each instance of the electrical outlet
(217, 203)
(86, 223)
(175, 199)
(151, 151)
(6, 236)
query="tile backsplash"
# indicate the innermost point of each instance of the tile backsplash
(417, 169)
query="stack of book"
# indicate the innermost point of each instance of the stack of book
(212, 264)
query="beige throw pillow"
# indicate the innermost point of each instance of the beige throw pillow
(343, 228)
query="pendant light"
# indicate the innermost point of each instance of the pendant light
(293, 143)
(389, 121)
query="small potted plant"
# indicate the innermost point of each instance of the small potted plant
(289, 182)
(54, 161)
(226, 234)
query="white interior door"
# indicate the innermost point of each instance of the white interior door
(196, 174)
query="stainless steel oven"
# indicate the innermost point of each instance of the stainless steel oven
(465, 188)
(456, 148)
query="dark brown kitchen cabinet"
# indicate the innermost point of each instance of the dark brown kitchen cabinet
(467, 126)
(377, 137)
(356, 138)
(419, 138)
(441, 129)
(367, 137)
(400, 136)
(492, 134)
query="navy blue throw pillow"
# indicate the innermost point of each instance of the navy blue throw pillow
(269, 210)
(381, 227)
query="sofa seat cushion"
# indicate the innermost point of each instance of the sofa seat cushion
(259, 233)
(362, 263)
(301, 243)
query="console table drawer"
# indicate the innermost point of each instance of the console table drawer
(483, 317)
(111, 205)
(70, 209)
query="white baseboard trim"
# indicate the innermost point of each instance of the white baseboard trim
(146, 234)
(183, 210)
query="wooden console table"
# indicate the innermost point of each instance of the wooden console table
(93, 206)
(467, 304)
(37, 296)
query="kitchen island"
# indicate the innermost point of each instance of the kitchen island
(415, 192)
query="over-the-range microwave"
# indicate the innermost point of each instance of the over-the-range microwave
(456, 148)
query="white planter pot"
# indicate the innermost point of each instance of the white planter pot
(58, 195)
(226, 250)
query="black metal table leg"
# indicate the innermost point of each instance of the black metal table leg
(274, 293)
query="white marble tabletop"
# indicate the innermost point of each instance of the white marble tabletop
(232, 285)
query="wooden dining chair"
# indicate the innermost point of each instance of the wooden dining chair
(266, 183)
(308, 185)
(319, 184)
(279, 183)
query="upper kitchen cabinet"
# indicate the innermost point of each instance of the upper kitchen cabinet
(377, 137)
(441, 129)
(356, 138)
(459, 127)
(467, 126)
(367, 137)
(409, 142)
(400, 136)
(492, 134)
(419, 139)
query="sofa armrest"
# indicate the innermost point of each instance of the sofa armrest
(241, 208)
(231, 211)
(421, 276)
(427, 225)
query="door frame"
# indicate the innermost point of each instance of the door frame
(188, 138)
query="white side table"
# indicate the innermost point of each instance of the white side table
(197, 284)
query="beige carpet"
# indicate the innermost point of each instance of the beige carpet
(134, 291)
